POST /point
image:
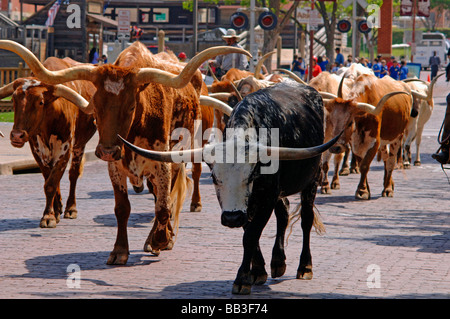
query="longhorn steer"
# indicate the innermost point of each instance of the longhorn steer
(141, 97)
(55, 130)
(329, 83)
(381, 127)
(248, 191)
(415, 127)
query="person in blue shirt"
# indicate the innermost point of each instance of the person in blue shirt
(376, 68)
(383, 69)
(339, 57)
(394, 70)
(403, 70)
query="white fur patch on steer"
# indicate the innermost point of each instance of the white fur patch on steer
(114, 86)
(30, 83)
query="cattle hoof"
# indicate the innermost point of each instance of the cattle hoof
(305, 273)
(241, 289)
(71, 214)
(117, 259)
(344, 171)
(48, 222)
(387, 193)
(335, 185)
(417, 163)
(196, 207)
(278, 271)
(260, 280)
(362, 195)
(325, 190)
(354, 171)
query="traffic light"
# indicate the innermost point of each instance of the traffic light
(344, 26)
(239, 21)
(267, 21)
(363, 27)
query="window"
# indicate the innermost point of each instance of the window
(206, 15)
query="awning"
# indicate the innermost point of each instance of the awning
(107, 22)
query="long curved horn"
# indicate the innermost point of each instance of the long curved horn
(169, 156)
(215, 103)
(326, 95)
(146, 75)
(341, 85)
(1, 134)
(81, 72)
(238, 94)
(419, 95)
(259, 65)
(369, 108)
(212, 74)
(72, 96)
(7, 90)
(431, 87)
(222, 96)
(292, 75)
(287, 154)
(284, 153)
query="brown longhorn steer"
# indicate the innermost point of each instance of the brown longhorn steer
(375, 128)
(329, 83)
(142, 98)
(55, 129)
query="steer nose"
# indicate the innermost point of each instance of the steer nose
(18, 138)
(108, 154)
(235, 218)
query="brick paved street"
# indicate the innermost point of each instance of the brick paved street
(405, 239)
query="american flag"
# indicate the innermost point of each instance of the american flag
(52, 13)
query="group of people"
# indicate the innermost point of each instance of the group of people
(381, 68)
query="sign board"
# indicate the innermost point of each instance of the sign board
(123, 25)
(308, 16)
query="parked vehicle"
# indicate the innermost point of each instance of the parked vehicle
(431, 41)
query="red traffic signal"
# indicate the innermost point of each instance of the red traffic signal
(267, 21)
(363, 27)
(239, 21)
(344, 26)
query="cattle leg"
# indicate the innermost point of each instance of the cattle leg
(335, 184)
(252, 232)
(53, 206)
(196, 203)
(390, 158)
(363, 190)
(308, 196)
(325, 188)
(345, 169)
(76, 168)
(278, 262)
(122, 208)
(160, 236)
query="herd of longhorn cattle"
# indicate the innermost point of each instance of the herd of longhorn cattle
(142, 98)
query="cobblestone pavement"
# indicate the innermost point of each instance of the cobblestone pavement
(382, 248)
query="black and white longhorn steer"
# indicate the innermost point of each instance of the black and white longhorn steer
(249, 192)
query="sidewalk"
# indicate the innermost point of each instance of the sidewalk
(13, 159)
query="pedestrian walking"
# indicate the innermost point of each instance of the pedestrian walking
(435, 63)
